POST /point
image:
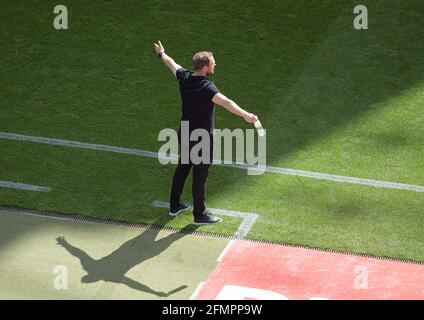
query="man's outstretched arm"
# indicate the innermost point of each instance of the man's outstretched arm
(170, 63)
(231, 106)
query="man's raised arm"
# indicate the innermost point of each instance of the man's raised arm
(170, 63)
(231, 106)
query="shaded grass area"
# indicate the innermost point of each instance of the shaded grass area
(333, 100)
(99, 261)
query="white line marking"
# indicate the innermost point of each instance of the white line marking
(335, 178)
(247, 223)
(224, 252)
(278, 170)
(197, 290)
(76, 144)
(23, 186)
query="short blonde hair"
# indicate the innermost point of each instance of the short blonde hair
(201, 59)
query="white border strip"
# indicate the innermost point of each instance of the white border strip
(247, 223)
(23, 186)
(197, 290)
(224, 252)
(278, 170)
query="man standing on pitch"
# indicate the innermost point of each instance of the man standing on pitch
(199, 96)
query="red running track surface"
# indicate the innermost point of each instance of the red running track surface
(251, 270)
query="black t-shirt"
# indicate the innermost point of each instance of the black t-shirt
(196, 97)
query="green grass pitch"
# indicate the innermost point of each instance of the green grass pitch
(333, 100)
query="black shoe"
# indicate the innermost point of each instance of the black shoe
(205, 218)
(181, 208)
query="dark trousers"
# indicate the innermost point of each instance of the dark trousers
(200, 175)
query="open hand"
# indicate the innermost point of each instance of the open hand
(159, 48)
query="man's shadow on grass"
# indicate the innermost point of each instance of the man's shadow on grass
(113, 267)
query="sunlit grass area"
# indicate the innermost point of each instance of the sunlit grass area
(333, 100)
